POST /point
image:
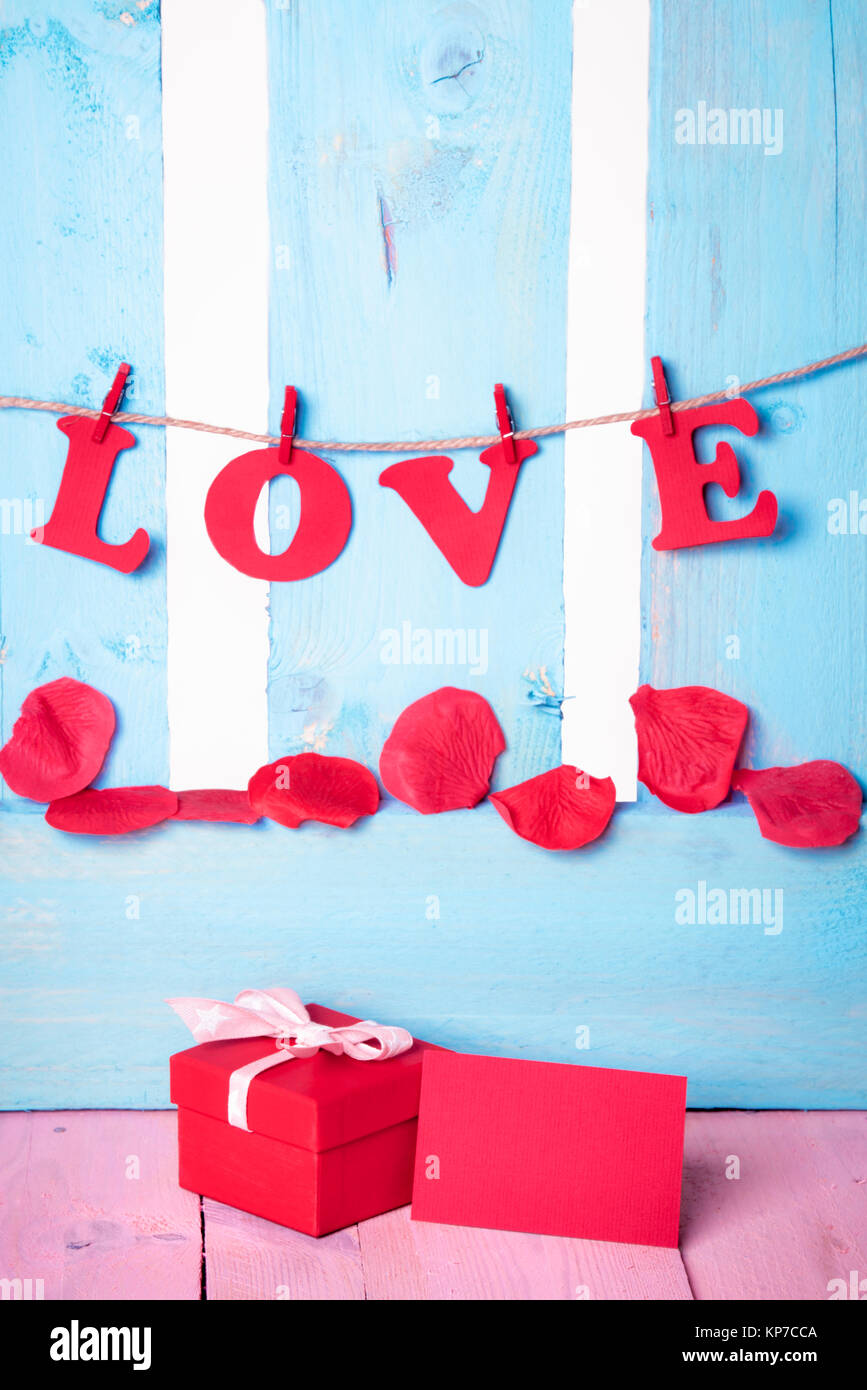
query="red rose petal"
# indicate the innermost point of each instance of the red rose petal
(311, 786)
(440, 754)
(560, 809)
(688, 739)
(112, 810)
(806, 807)
(215, 804)
(59, 740)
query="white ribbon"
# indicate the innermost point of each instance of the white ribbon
(280, 1015)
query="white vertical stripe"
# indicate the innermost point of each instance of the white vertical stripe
(605, 373)
(215, 121)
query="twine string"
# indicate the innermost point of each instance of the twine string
(413, 446)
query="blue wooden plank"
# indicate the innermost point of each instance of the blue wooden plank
(81, 285)
(527, 949)
(755, 265)
(420, 211)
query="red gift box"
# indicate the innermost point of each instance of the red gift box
(331, 1140)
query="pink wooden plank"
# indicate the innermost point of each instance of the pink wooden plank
(89, 1203)
(73, 1214)
(248, 1258)
(406, 1259)
(796, 1217)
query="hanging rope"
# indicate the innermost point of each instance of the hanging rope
(414, 446)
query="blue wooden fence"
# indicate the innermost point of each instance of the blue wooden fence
(420, 232)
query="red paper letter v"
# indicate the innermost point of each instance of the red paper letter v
(467, 539)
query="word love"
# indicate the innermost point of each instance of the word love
(468, 540)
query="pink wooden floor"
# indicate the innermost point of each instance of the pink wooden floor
(89, 1204)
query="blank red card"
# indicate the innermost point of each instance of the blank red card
(550, 1148)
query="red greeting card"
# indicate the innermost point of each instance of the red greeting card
(549, 1148)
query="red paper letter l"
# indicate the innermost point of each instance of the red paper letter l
(86, 474)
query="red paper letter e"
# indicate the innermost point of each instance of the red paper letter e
(681, 479)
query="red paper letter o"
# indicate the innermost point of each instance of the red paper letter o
(326, 515)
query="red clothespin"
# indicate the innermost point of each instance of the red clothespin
(287, 427)
(660, 391)
(505, 423)
(111, 402)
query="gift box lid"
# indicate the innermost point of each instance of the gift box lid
(314, 1102)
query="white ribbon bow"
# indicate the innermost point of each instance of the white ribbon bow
(279, 1014)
